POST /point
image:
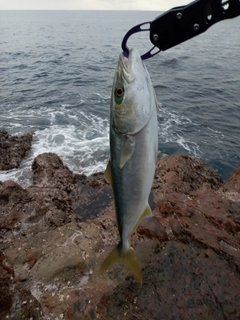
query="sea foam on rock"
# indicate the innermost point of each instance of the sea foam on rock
(56, 233)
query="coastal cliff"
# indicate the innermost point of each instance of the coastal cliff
(55, 234)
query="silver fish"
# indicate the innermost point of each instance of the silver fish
(133, 153)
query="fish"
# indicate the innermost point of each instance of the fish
(133, 136)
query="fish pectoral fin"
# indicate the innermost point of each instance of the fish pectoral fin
(108, 173)
(127, 151)
(128, 258)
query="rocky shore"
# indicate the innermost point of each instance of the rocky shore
(55, 234)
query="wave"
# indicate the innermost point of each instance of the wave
(83, 148)
(80, 137)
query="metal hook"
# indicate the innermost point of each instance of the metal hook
(133, 30)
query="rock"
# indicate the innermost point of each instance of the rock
(49, 171)
(56, 233)
(233, 184)
(204, 218)
(151, 228)
(68, 192)
(12, 192)
(12, 199)
(5, 287)
(97, 196)
(13, 149)
(181, 281)
(183, 174)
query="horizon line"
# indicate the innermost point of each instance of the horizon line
(79, 10)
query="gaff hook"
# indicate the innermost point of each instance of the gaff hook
(137, 28)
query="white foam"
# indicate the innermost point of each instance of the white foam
(83, 148)
(189, 146)
(192, 136)
(170, 126)
(81, 140)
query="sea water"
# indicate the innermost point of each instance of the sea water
(56, 74)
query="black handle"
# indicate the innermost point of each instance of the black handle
(182, 23)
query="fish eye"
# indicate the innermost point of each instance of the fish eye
(119, 92)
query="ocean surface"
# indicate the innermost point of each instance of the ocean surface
(56, 73)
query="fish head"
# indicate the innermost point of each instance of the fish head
(132, 97)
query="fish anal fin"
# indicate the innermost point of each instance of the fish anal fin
(146, 212)
(128, 258)
(108, 173)
(127, 151)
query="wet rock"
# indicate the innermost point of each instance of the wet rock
(13, 149)
(55, 234)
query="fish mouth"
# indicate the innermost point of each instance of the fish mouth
(129, 65)
(125, 69)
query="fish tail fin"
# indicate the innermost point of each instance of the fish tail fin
(128, 258)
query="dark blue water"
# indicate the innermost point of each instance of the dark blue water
(56, 73)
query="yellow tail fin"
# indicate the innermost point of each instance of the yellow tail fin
(128, 258)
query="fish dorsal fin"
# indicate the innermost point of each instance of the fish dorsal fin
(127, 151)
(108, 173)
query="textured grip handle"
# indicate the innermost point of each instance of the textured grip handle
(182, 23)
